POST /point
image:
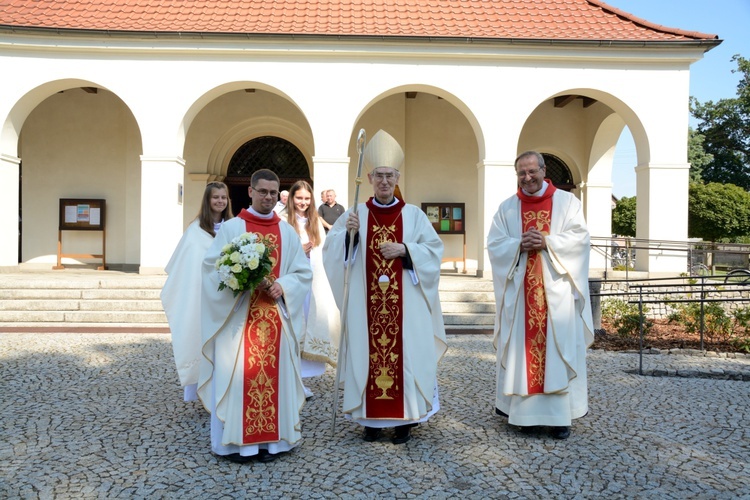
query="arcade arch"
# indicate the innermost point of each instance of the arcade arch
(442, 141)
(75, 139)
(232, 122)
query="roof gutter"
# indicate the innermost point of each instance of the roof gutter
(706, 44)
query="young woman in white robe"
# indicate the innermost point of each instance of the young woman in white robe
(181, 293)
(322, 320)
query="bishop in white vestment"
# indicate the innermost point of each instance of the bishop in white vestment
(394, 332)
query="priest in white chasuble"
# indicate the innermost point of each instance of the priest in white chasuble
(538, 246)
(250, 375)
(394, 332)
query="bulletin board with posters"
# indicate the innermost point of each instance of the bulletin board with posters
(448, 218)
(81, 214)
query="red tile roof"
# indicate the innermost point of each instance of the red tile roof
(479, 19)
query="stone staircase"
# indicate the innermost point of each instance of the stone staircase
(468, 303)
(68, 300)
(79, 299)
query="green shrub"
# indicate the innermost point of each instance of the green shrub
(625, 318)
(741, 337)
(717, 325)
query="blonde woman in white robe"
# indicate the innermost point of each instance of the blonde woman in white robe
(322, 320)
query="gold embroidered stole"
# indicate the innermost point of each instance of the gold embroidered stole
(384, 397)
(262, 343)
(536, 211)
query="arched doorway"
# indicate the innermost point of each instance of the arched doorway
(273, 153)
(558, 172)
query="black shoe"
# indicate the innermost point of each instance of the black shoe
(402, 434)
(237, 458)
(498, 412)
(371, 434)
(265, 457)
(527, 429)
(560, 432)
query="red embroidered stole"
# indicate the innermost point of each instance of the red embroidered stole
(260, 420)
(536, 211)
(384, 395)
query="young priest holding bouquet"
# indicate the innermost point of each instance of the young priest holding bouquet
(250, 376)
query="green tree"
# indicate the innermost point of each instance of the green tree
(718, 212)
(623, 217)
(726, 127)
(697, 156)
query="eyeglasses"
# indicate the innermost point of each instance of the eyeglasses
(265, 192)
(532, 173)
(381, 176)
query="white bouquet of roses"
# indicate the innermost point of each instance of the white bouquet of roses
(244, 263)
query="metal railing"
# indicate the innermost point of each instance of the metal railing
(675, 290)
(701, 257)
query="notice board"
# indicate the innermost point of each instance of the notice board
(82, 214)
(448, 218)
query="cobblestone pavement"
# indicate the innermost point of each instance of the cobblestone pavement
(101, 416)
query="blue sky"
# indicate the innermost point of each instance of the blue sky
(711, 78)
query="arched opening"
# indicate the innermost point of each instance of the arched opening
(273, 153)
(558, 172)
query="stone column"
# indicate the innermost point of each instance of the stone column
(497, 181)
(162, 196)
(662, 214)
(333, 173)
(9, 182)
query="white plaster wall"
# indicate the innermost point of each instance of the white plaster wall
(338, 88)
(441, 166)
(79, 145)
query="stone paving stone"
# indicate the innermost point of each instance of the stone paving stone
(102, 416)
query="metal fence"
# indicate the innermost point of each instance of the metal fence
(702, 258)
(665, 293)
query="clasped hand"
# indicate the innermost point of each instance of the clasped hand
(392, 250)
(273, 290)
(533, 239)
(389, 250)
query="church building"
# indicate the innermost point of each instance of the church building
(116, 113)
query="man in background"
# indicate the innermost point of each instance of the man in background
(281, 204)
(330, 211)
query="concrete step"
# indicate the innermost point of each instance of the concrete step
(468, 307)
(453, 283)
(35, 281)
(466, 319)
(80, 305)
(78, 294)
(62, 299)
(467, 296)
(8, 318)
